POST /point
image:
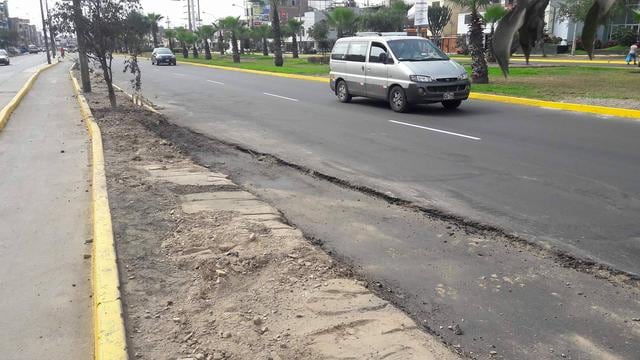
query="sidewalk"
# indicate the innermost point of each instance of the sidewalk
(44, 222)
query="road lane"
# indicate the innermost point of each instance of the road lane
(13, 77)
(571, 180)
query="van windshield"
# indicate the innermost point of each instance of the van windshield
(416, 50)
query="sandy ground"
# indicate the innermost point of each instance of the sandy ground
(209, 271)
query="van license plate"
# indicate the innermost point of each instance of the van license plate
(447, 96)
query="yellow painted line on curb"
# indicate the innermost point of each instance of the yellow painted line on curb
(110, 342)
(571, 61)
(582, 108)
(5, 113)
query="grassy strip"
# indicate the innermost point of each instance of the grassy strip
(545, 83)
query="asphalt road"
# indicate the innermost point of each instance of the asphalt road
(565, 179)
(13, 77)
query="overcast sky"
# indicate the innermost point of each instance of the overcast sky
(174, 10)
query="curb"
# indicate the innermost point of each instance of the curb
(6, 112)
(110, 342)
(581, 108)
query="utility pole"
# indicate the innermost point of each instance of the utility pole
(53, 37)
(189, 12)
(44, 30)
(82, 51)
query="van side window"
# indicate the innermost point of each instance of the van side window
(357, 51)
(376, 50)
(339, 51)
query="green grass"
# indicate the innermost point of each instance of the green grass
(264, 63)
(565, 83)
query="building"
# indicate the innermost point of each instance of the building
(4, 14)
(27, 34)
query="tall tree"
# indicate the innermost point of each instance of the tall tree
(219, 27)
(344, 20)
(182, 35)
(277, 33)
(261, 33)
(206, 33)
(232, 26)
(492, 15)
(154, 19)
(479, 69)
(103, 28)
(438, 17)
(294, 28)
(171, 35)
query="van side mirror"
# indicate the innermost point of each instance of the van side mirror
(383, 58)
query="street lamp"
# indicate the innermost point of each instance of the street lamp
(247, 12)
(82, 51)
(44, 30)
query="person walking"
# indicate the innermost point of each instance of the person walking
(62, 52)
(633, 54)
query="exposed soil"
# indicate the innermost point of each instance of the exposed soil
(214, 283)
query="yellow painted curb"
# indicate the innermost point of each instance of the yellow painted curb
(260, 72)
(590, 109)
(571, 61)
(6, 112)
(110, 342)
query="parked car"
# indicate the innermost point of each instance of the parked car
(400, 69)
(33, 49)
(163, 56)
(4, 57)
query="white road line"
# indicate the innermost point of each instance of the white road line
(179, 74)
(281, 97)
(436, 130)
(216, 82)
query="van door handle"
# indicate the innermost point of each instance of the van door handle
(362, 67)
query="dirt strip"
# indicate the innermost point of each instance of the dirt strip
(212, 272)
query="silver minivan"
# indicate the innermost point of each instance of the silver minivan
(403, 70)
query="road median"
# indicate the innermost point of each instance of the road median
(109, 332)
(6, 112)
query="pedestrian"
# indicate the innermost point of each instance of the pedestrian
(633, 54)
(62, 52)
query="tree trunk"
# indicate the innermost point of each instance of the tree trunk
(265, 47)
(234, 47)
(195, 51)
(154, 32)
(491, 57)
(221, 44)
(294, 44)
(185, 51)
(207, 50)
(171, 44)
(109, 81)
(241, 47)
(277, 36)
(479, 71)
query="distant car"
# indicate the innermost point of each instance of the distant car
(33, 49)
(163, 56)
(4, 57)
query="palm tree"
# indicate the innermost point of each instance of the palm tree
(243, 36)
(343, 19)
(277, 33)
(261, 33)
(479, 70)
(170, 34)
(492, 15)
(294, 27)
(182, 35)
(219, 27)
(232, 25)
(206, 32)
(154, 18)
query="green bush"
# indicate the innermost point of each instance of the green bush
(625, 36)
(318, 59)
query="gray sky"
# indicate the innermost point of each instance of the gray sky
(174, 10)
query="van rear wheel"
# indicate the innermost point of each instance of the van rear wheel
(342, 92)
(451, 104)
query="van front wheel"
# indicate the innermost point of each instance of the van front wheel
(342, 92)
(398, 99)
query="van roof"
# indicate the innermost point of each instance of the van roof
(378, 38)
